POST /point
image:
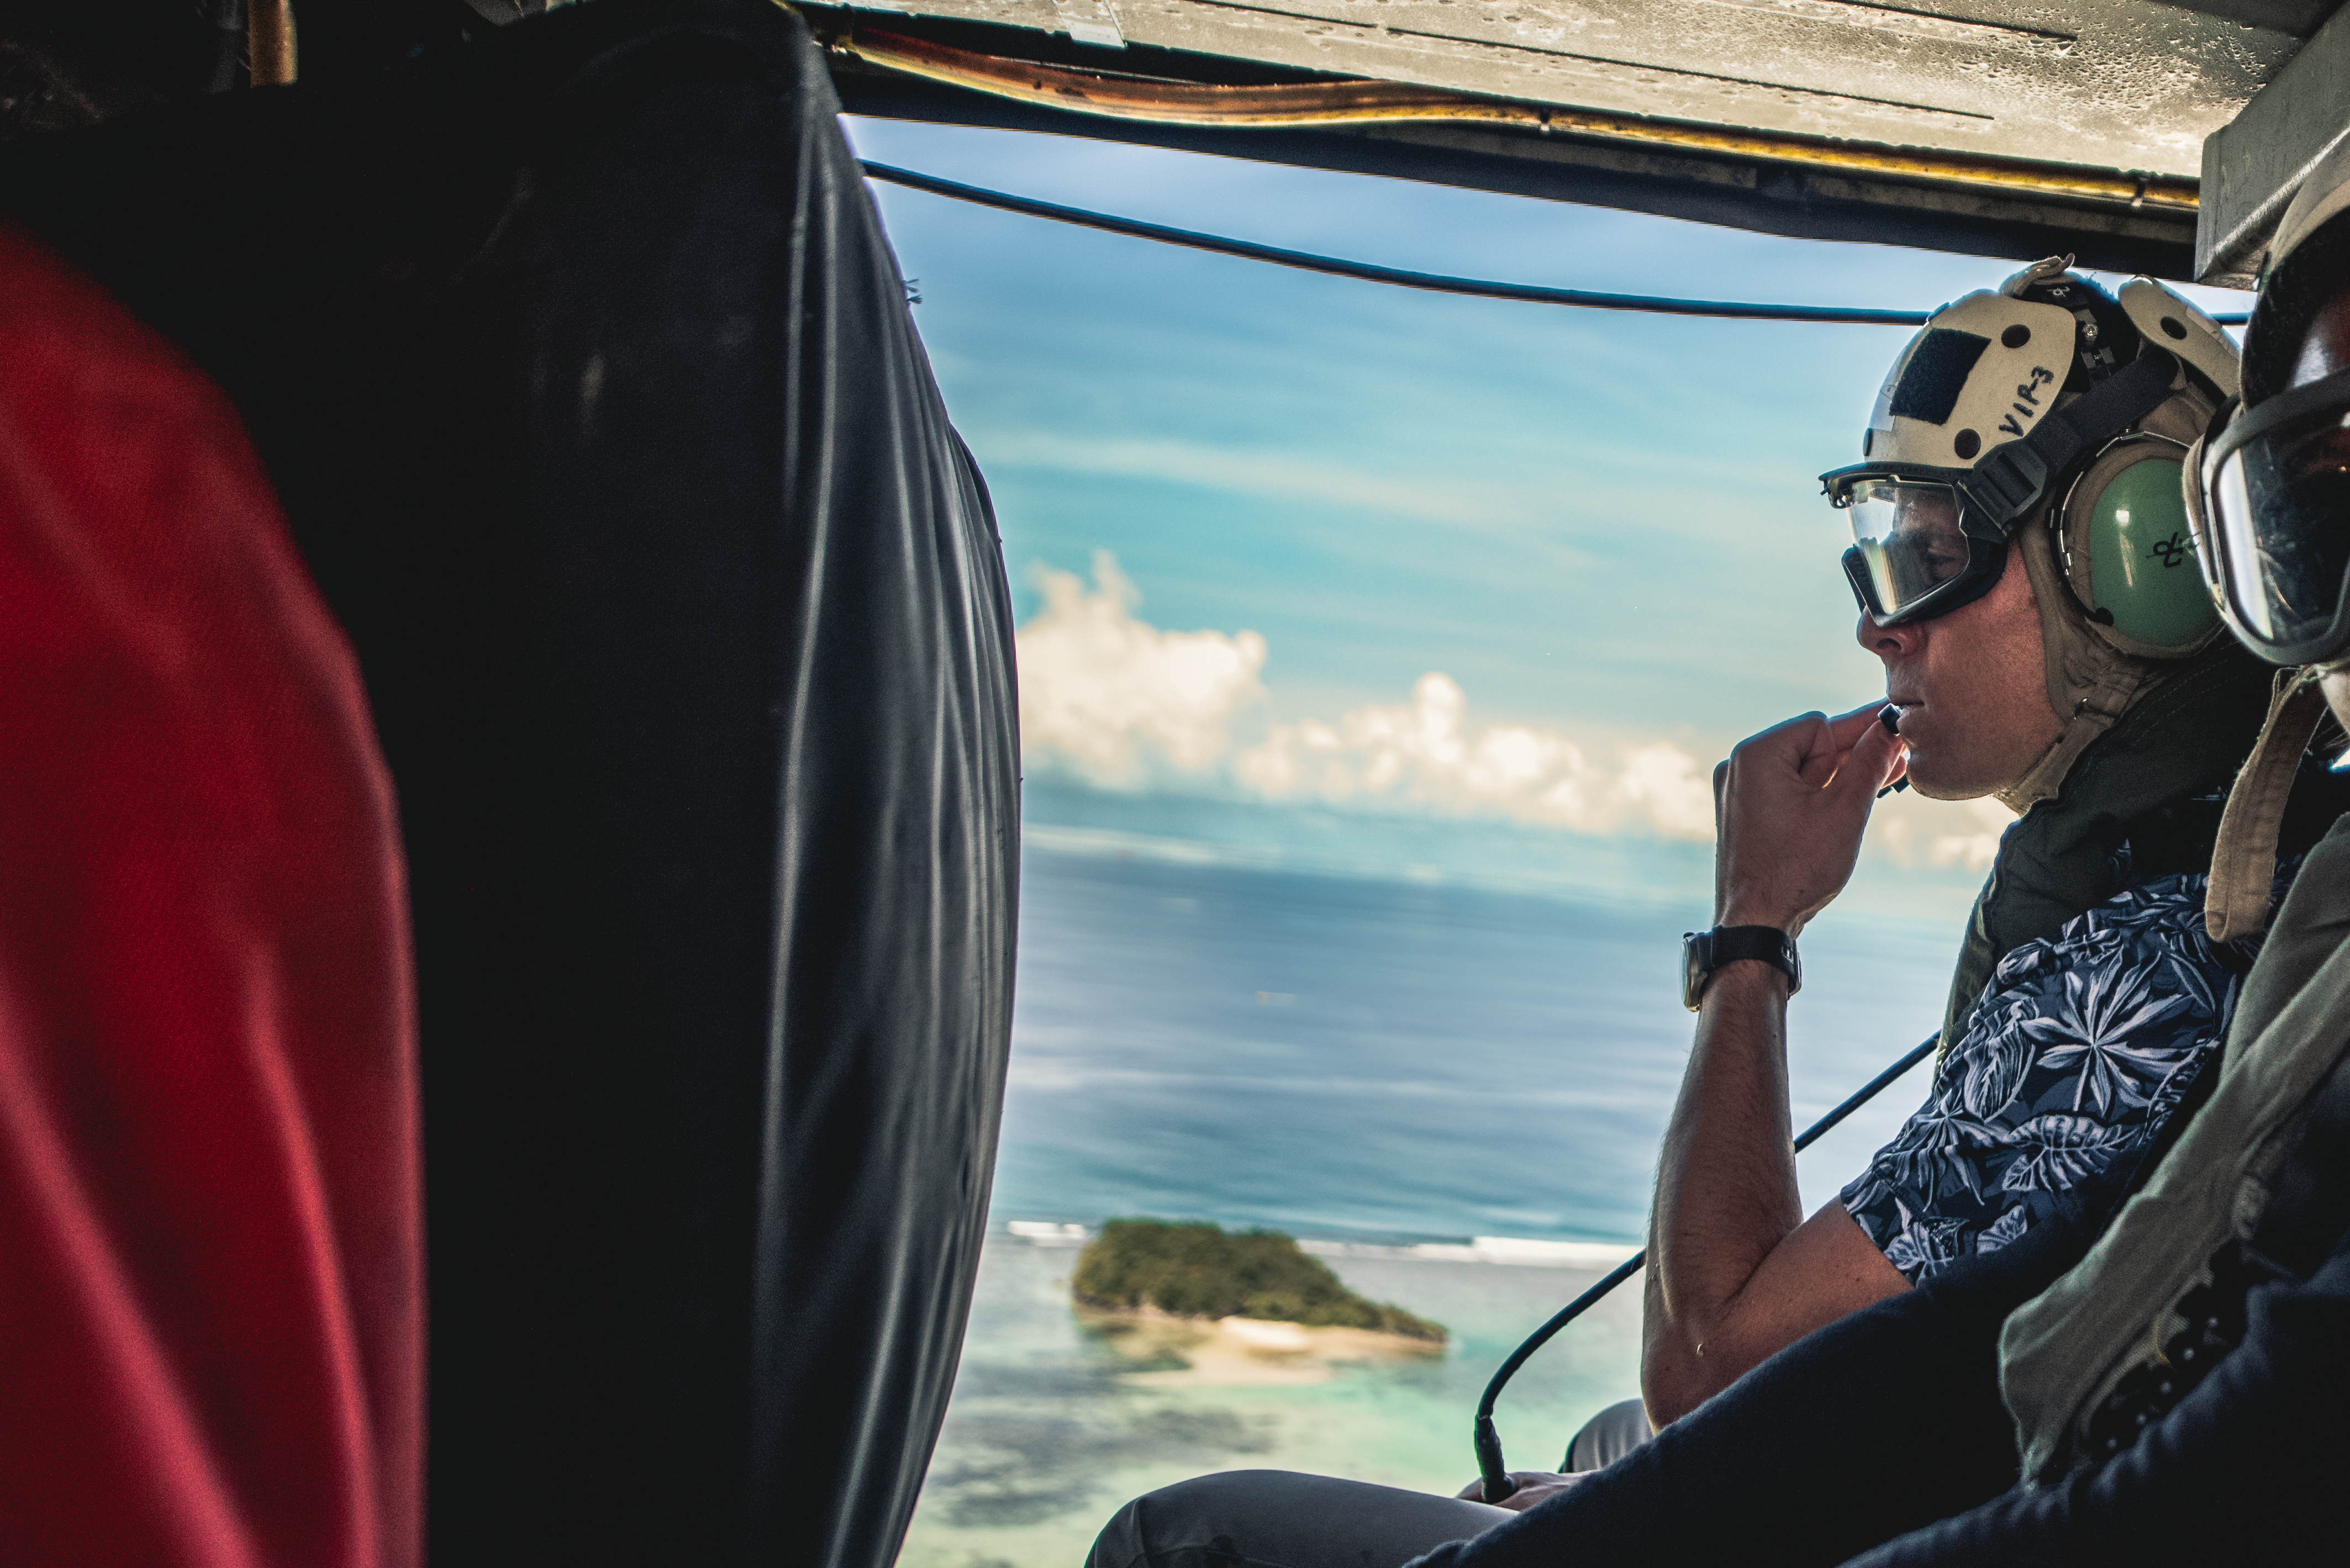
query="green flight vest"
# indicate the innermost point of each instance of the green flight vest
(2186, 736)
(2062, 1353)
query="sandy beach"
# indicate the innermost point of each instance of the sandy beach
(1239, 1352)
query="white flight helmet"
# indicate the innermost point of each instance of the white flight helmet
(2050, 412)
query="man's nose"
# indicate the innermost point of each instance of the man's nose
(1889, 643)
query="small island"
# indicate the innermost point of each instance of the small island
(1196, 1270)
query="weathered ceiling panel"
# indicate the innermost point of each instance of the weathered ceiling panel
(2109, 84)
(2007, 127)
(2253, 167)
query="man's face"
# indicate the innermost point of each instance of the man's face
(1973, 689)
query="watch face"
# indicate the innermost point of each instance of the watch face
(1697, 962)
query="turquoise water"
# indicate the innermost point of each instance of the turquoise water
(1049, 1433)
(1375, 1065)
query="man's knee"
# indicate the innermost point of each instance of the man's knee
(1187, 1525)
(1281, 1519)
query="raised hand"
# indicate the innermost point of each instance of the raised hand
(1790, 806)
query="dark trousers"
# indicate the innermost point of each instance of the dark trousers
(1280, 1519)
(1607, 1437)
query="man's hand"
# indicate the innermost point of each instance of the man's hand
(1789, 808)
(1534, 1487)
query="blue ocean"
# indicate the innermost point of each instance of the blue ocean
(1388, 1070)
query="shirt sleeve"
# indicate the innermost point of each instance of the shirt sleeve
(2079, 1051)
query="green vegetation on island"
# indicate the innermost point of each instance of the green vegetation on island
(1196, 1270)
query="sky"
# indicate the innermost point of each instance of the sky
(1326, 570)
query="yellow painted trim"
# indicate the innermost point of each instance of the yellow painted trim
(1370, 102)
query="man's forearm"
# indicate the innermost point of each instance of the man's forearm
(1734, 1271)
(1726, 1189)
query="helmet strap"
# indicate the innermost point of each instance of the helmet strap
(2243, 860)
(2015, 478)
(2090, 684)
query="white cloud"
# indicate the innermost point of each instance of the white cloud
(1977, 850)
(1422, 751)
(1111, 694)
(1911, 829)
(1116, 699)
(1123, 703)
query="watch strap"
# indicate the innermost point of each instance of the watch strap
(1708, 950)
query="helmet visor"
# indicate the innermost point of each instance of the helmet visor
(1907, 534)
(2277, 493)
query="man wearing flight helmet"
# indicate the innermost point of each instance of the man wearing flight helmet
(2171, 1395)
(2024, 570)
(1997, 611)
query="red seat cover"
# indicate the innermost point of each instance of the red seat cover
(210, 1325)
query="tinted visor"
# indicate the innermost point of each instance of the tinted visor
(2277, 490)
(1907, 534)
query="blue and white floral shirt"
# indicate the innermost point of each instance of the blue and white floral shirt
(2079, 1051)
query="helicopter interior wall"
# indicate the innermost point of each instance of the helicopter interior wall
(583, 369)
(1754, 195)
(2253, 165)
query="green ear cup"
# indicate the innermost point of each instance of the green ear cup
(2142, 557)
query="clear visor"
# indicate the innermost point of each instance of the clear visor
(2280, 508)
(1908, 533)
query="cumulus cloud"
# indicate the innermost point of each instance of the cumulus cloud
(1422, 751)
(1916, 830)
(1107, 694)
(1121, 702)
(1112, 695)
(1978, 849)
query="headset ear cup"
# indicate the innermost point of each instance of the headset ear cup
(2132, 552)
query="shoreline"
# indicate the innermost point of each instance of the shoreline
(1508, 1251)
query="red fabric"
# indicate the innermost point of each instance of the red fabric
(211, 1319)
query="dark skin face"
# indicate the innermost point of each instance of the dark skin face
(1973, 689)
(2325, 351)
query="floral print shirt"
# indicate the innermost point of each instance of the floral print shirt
(2079, 1051)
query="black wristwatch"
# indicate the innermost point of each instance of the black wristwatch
(1702, 952)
